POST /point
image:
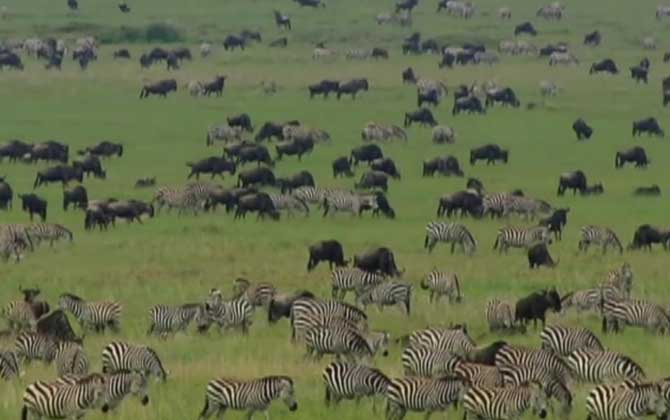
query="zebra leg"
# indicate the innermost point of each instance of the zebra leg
(250, 414)
(453, 246)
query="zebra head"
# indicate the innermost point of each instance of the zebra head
(538, 400)
(286, 393)
(156, 366)
(139, 387)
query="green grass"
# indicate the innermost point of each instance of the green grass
(173, 259)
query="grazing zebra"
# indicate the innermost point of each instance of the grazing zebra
(346, 381)
(33, 346)
(453, 233)
(253, 395)
(95, 315)
(345, 279)
(523, 356)
(421, 394)
(341, 342)
(348, 202)
(503, 403)
(478, 374)
(454, 340)
(598, 235)
(495, 203)
(117, 387)
(427, 362)
(14, 238)
(54, 400)
(583, 300)
(625, 401)
(636, 313)
(290, 203)
(500, 317)
(528, 207)
(603, 366)
(118, 356)
(387, 294)
(48, 232)
(565, 340)
(70, 359)
(167, 319)
(308, 313)
(190, 198)
(19, 315)
(441, 283)
(316, 195)
(9, 365)
(620, 279)
(357, 54)
(517, 237)
(236, 313)
(259, 295)
(552, 386)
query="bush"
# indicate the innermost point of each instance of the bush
(162, 32)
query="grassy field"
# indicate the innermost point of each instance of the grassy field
(172, 259)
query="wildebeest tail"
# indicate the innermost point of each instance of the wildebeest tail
(38, 180)
(24, 413)
(617, 160)
(495, 244)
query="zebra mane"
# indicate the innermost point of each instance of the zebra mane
(275, 378)
(89, 378)
(72, 296)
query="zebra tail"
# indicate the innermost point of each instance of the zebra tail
(24, 413)
(425, 241)
(495, 244)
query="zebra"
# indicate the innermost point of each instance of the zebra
(529, 207)
(307, 313)
(252, 395)
(625, 401)
(167, 319)
(117, 387)
(552, 386)
(620, 279)
(421, 394)
(259, 295)
(517, 237)
(48, 232)
(583, 300)
(598, 235)
(637, 313)
(427, 362)
(565, 340)
(449, 232)
(478, 374)
(236, 313)
(337, 341)
(503, 403)
(347, 381)
(522, 356)
(14, 238)
(345, 279)
(19, 315)
(9, 365)
(54, 400)
(441, 283)
(315, 195)
(290, 203)
(387, 294)
(191, 198)
(69, 358)
(349, 202)
(119, 356)
(33, 346)
(495, 203)
(600, 366)
(500, 317)
(455, 340)
(357, 54)
(96, 315)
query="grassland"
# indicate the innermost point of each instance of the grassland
(173, 259)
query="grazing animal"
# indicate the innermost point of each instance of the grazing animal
(625, 401)
(503, 403)
(442, 283)
(421, 394)
(453, 233)
(646, 235)
(6, 194)
(242, 121)
(635, 155)
(468, 202)
(515, 237)
(386, 165)
(575, 180)
(639, 74)
(352, 87)
(565, 340)
(650, 191)
(92, 315)
(505, 96)
(499, 317)
(538, 255)
(556, 222)
(377, 260)
(161, 88)
(212, 165)
(444, 165)
(91, 165)
(328, 250)
(346, 381)
(598, 235)
(297, 180)
(281, 20)
(562, 58)
(607, 66)
(52, 400)
(647, 126)
(582, 129)
(10, 60)
(525, 28)
(260, 203)
(408, 76)
(103, 149)
(215, 86)
(324, 87)
(489, 152)
(469, 104)
(233, 41)
(342, 166)
(365, 153)
(119, 356)
(535, 306)
(423, 116)
(373, 179)
(593, 39)
(443, 135)
(34, 204)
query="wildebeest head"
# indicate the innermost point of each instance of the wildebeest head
(553, 299)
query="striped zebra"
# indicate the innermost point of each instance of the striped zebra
(427, 362)
(92, 315)
(33, 346)
(253, 395)
(518, 237)
(346, 279)
(598, 235)
(347, 381)
(19, 314)
(421, 394)
(495, 203)
(166, 319)
(442, 283)
(524, 206)
(357, 54)
(118, 356)
(635, 313)
(307, 313)
(51, 232)
(449, 232)
(70, 358)
(499, 317)
(583, 300)
(553, 387)
(290, 203)
(9, 365)
(565, 340)
(603, 366)
(478, 374)
(341, 342)
(53, 400)
(625, 401)
(14, 238)
(503, 403)
(259, 295)
(523, 356)
(391, 293)
(620, 279)
(236, 313)
(348, 202)
(454, 340)
(117, 387)
(190, 198)
(316, 195)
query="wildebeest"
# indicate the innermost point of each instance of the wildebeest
(58, 173)
(242, 121)
(379, 53)
(255, 153)
(233, 41)
(328, 250)
(124, 8)
(471, 104)
(422, 116)
(595, 189)
(260, 203)
(646, 235)
(549, 49)
(525, 28)
(408, 76)
(475, 184)
(365, 153)
(377, 260)
(294, 147)
(227, 197)
(635, 154)
(386, 165)
(145, 182)
(215, 86)
(431, 97)
(161, 88)
(556, 222)
(505, 96)
(281, 20)
(489, 152)
(639, 73)
(122, 53)
(55, 62)
(76, 196)
(33, 204)
(582, 129)
(535, 306)
(256, 176)
(182, 53)
(6, 194)
(647, 125)
(607, 66)
(447, 60)
(466, 202)
(310, 3)
(443, 134)
(49, 151)
(158, 54)
(352, 87)
(575, 180)
(324, 87)
(281, 42)
(213, 165)
(172, 62)
(406, 5)
(15, 149)
(538, 255)
(90, 164)
(146, 61)
(130, 210)
(269, 130)
(342, 166)
(592, 38)
(250, 35)
(297, 180)
(650, 191)
(444, 165)
(373, 179)
(10, 60)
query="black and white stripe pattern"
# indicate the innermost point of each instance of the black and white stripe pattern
(290, 203)
(258, 294)
(523, 356)
(92, 315)
(19, 315)
(254, 395)
(637, 313)
(9, 365)
(352, 279)
(525, 206)
(442, 283)
(392, 293)
(518, 237)
(32, 346)
(307, 313)
(598, 235)
(624, 401)
(421, 394)
(503, 403)
(236, 313)
(620, 279)
(48, 232)
(603, 366)
(478, 374)
(70, 359)
(53, 400)
(553, 387)
(117, 387)
(583, 300)
(565, 340)
(495, 203)
(341, 342)
(349, 203)
(14, 238)
(315, 195)
(347, 381)
(166, 319)
(452, 233)
(191, 198)
(499, 316)
(454, 340)
(427, 362)
(119, 356)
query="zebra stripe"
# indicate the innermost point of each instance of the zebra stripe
(598, 235)
(9, 365)
(337, 341)
(290, 203)
(455, 340)
(165, 319)
(442, 283)
(517, 237)
(236, 313)
(19, 315)
(524, 206)
(553, 387)
(523, 356)
(96, 315)
(316, 195)
(421, 394)
(565, 340)
(190, 198)
(42, 399)
(479, 375)
(449, 232)
(387, 294)
(346, 279)
(348, 202)
(620, 279)
(14, 238)
(70, 358)
(625, 401)
(583, 300)
(117, 387)
(495, 203)
(427, 362)
(503, 403)
(601, 366)
(259, 295)
(500, 317)
(642, 314)
(357, 54)
(119, 356)
(48, 232)
(307, 313)
(32, 346)
(346, 381)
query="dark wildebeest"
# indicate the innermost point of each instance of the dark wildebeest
(650, 191)
(465, 57)
(256, 153)
(505, 96)
(352, 87)
(386, 165)
(538, 255)
(487, 355)
(383, 206)
(470, 104)
(365, 153)
(242, 120)
(146, 61)
(595, 189)
(466, 202)
(172, 62)
(212, 165)
(76, 196)
(161, 88)
(406, 5)
(281, 20)
(575, 180)
(91, 165)
(215, 86)
(647, 125)
(294, 147)
(432, 97)
(475, 184)
(408, 76)
(6, 194)
(55, 62)
(330, 250)
(103, 149)
(50, 151)
(233, 41)
(158, 54)
(373, 179)
(444, 165)
(379, 53)
(471, 46)
(446, 61)
(124, 8)
(592, 39)
(279, 42)
(273, 129)
(11, 60)
(182, 53)
(227, 197)
(639, 73)
(256, 176)
(645, 63)
(411, 46)
(15, 149)
(549, 49)
(258, 202)
(430, 46)
(145, 182)
(556, 222)
(122, 53)
(635, 154)
(130, 210)
(422, 116)
(342, 166)
(324, 87)
(646, 235)
(232, 150)
(59, 173)
(249, 35)
(300, 179)
(489, 152)
(442, 4)
(604, 66)
(535, 306)
(34, 204)
(378, 260)
(525, 28)
(582, 129)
